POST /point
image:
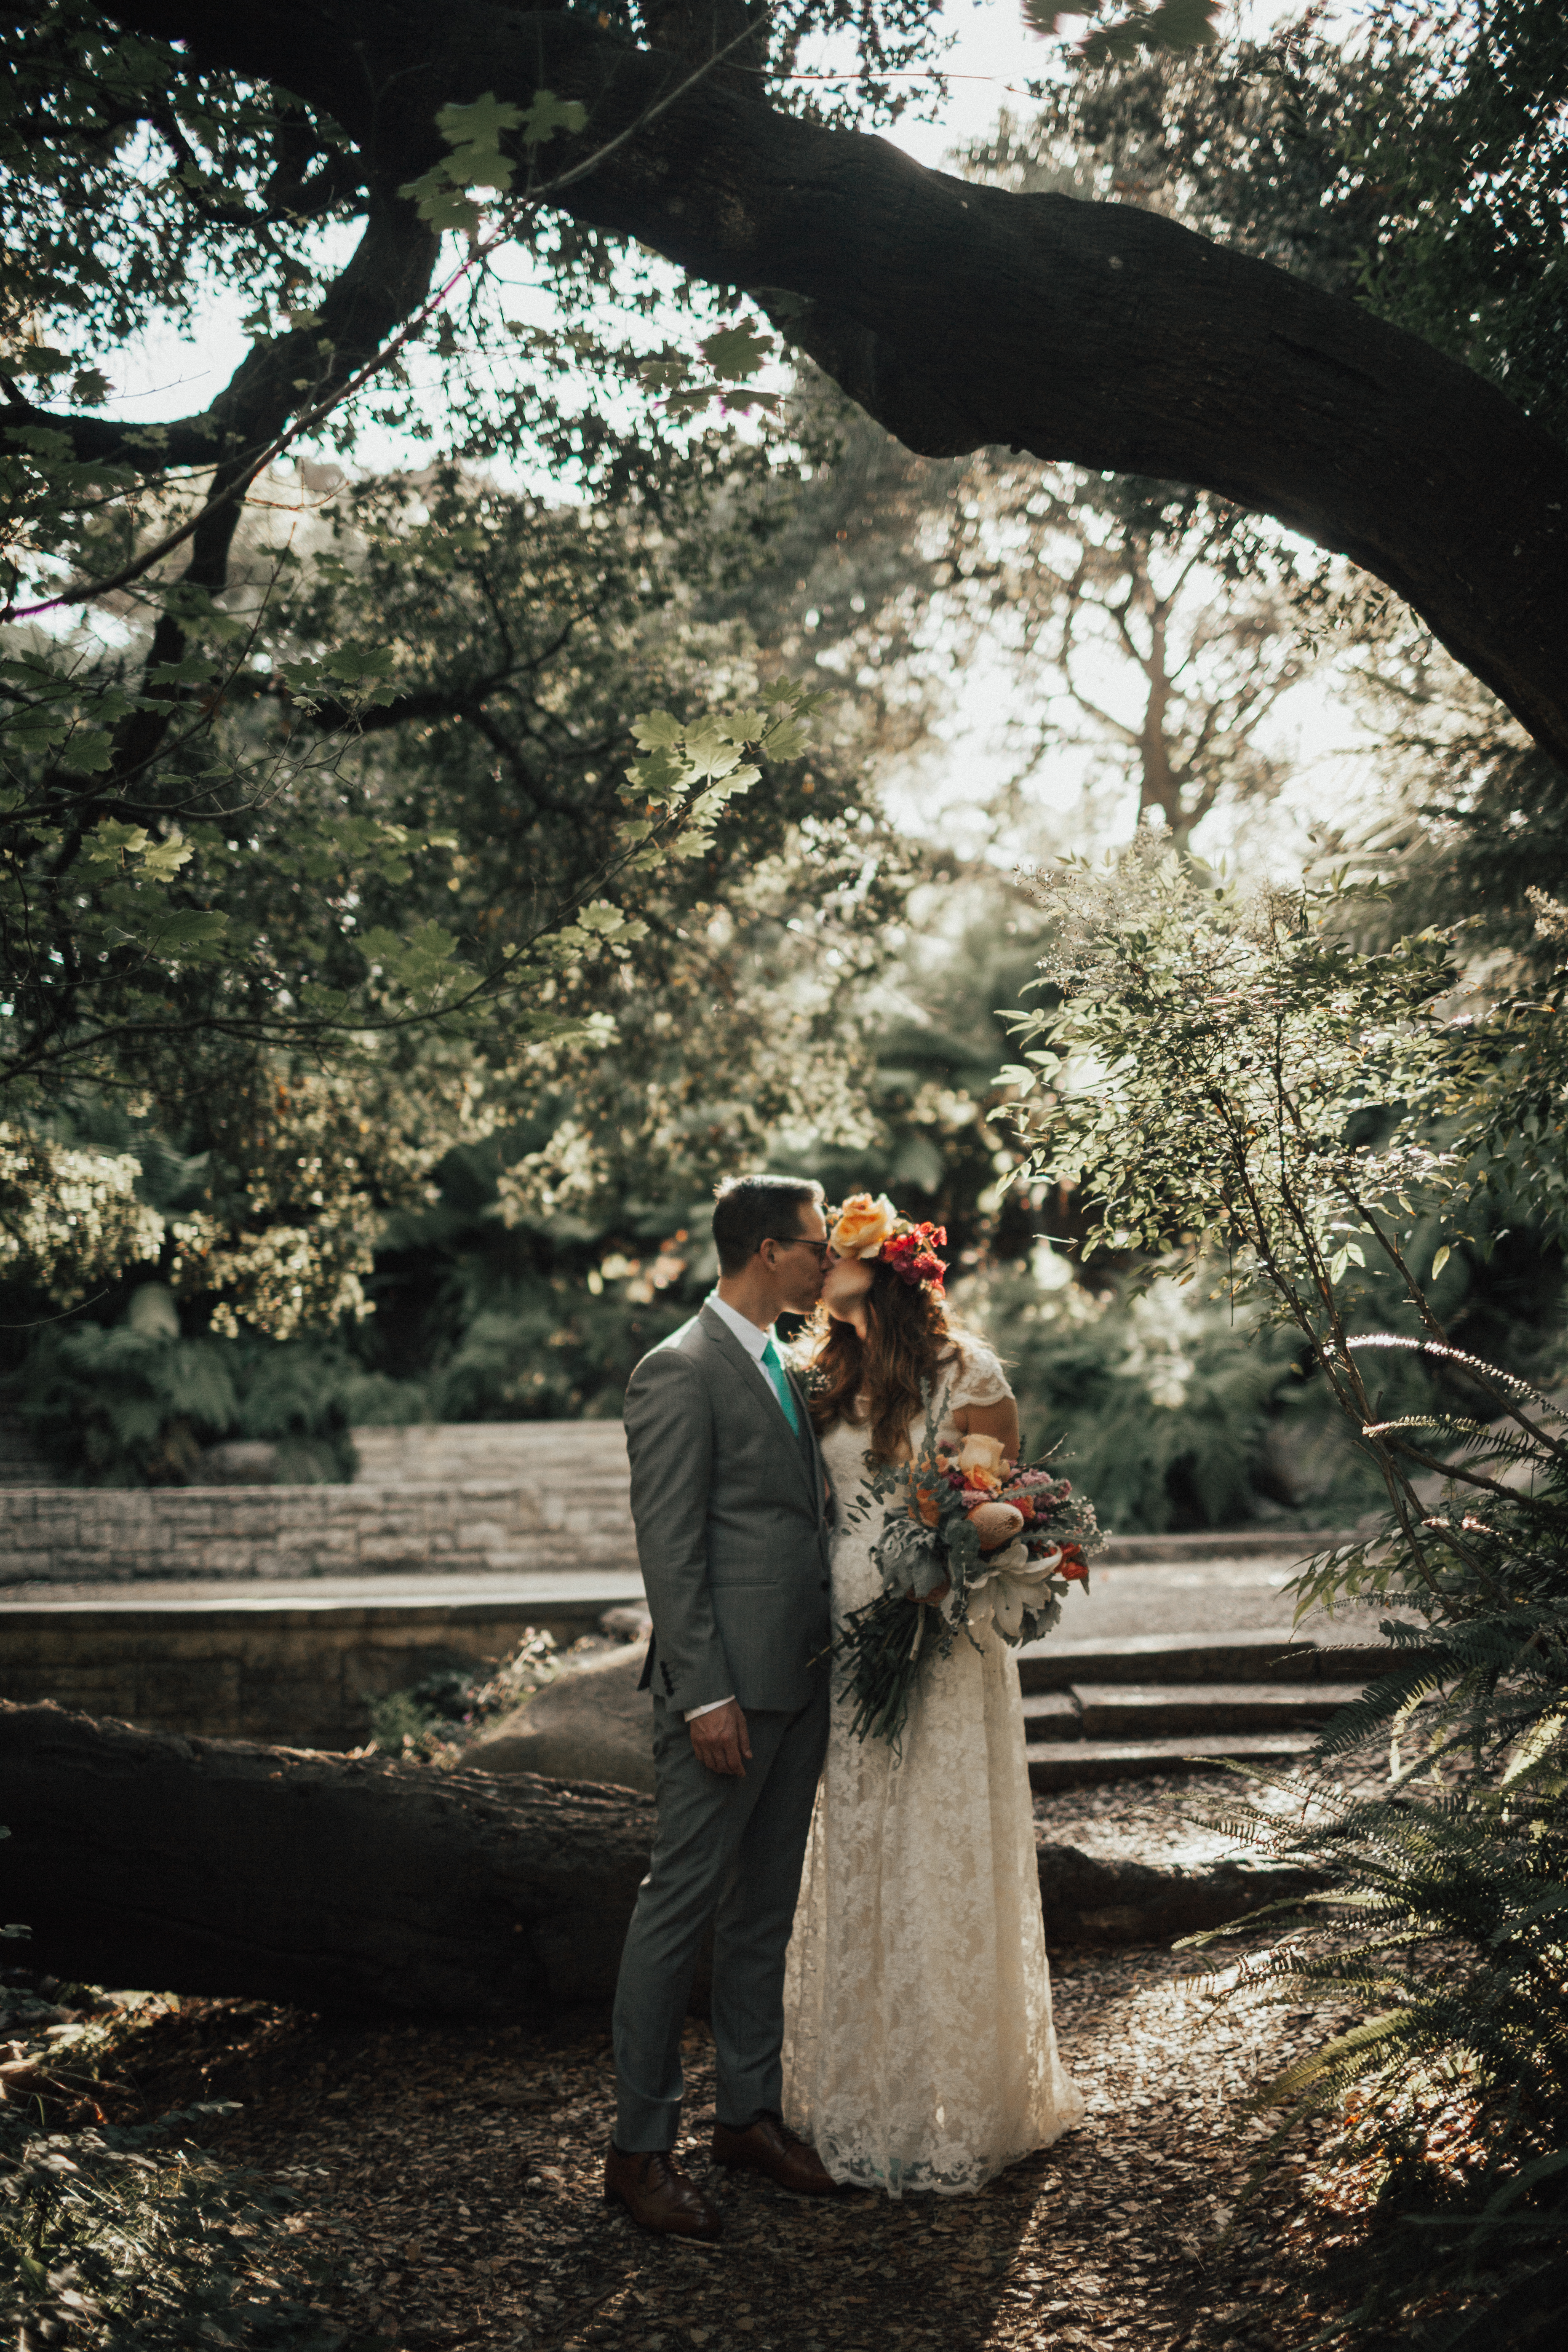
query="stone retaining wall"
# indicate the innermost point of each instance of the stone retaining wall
(74, 1535)
(300, 1676)
(444, 1454)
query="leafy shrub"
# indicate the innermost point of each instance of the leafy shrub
(1448, 1917)
(549, 1350)
(1242, 1080)
(127, 1407)
(431, 1719)
(1165, 1404)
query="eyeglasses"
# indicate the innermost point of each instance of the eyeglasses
(799, 1241)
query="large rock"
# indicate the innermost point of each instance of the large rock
(1090, 1899)
(237, 1462)
(593, 1725)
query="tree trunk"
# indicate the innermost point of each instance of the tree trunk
(216, 1867)
(960, 315)
(219, 1866)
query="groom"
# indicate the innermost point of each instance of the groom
(730, 1502)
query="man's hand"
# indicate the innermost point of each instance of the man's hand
(720, 1741)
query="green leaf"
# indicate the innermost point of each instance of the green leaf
(189, 933)
(603, 917)
(40, 359)
(1439, 1260)
(163, 859)
(110, 841)
(547, 114)
(663, 374)
(440, 204)
(655, 730)
(418, 962)
(481, 124)
(738, 351)
(710, 751)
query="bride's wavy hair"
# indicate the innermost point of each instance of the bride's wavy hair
(908, 1336)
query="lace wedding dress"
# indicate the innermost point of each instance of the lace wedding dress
(918, 2052)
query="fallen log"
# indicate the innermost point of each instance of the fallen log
(220, 1866)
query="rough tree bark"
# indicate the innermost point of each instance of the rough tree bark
(959, 315)
(217, 1866)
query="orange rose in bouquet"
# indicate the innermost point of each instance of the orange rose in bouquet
(1001, 1542)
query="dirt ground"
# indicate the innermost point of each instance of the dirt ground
(451, 2187)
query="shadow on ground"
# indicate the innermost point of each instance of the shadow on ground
(450, 2180)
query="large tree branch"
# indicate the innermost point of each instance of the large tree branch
(960, 315)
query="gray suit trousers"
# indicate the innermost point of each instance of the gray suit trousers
(729, 1850)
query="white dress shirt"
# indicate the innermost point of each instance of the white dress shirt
(754, 1338)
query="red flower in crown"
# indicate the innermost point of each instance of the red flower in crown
(867, 1228)
(912, 1255)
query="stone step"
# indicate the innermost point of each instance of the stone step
(1242, 1655)
(1081, 1763)
(1145, 1711)
(1157, 1710)
(1225, 1543)
(448, 1452)
(1054, 1715)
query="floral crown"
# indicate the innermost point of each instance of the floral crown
(868, 1228)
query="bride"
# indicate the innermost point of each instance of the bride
(918, 2052)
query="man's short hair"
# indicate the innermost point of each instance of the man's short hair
(748, 1210)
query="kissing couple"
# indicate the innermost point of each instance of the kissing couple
(881, 2007)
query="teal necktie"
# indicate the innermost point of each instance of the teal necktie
(774, 1363)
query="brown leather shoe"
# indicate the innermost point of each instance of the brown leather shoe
(770, 2147)
(659, 2195)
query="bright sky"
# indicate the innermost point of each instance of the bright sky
(992, 59)
(996, 56)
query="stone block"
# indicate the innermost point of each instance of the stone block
(593, 1723)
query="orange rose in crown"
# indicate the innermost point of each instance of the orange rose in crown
(868, 1228)
(863, 1225)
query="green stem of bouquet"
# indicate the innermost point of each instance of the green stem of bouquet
(883, 1665)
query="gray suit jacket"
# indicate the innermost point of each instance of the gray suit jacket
(731, 1516)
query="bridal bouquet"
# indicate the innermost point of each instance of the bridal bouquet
(1007, 1540)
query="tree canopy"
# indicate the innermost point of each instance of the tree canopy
(390, 732)
(1104, 332)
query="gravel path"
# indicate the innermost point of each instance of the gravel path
(451, 2180)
